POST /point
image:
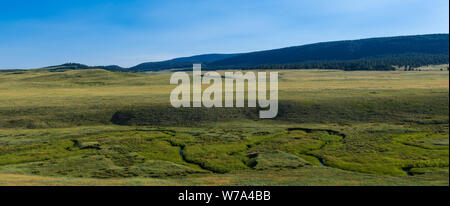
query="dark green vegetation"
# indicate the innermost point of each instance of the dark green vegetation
(96, 127)
(366, 54)
(183, 62)
(423, 109)
(76, 66)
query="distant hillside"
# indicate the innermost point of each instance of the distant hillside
(374, 53)
(77, 66)
(364, 54)
(183, 62)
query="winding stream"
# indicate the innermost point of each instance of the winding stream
(321, 162)
(308, 130)
(407, 171)
(331, 132)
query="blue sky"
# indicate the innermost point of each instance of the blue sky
(98, 32)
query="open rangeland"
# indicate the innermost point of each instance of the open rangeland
(96, 127)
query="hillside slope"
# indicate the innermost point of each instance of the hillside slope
(402, 50)
(364, 54)
(182, 62)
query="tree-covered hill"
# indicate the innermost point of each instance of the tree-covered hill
(183, 62)
(364, 54)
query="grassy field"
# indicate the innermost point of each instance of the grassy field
(95, 127)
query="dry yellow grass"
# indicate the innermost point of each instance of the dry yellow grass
(155, 87)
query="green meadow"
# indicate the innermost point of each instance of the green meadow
(96, 127)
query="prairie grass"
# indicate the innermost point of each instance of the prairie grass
(95, 127)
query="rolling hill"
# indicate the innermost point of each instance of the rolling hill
(183, 62)
(345, 50)
(365, 54)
